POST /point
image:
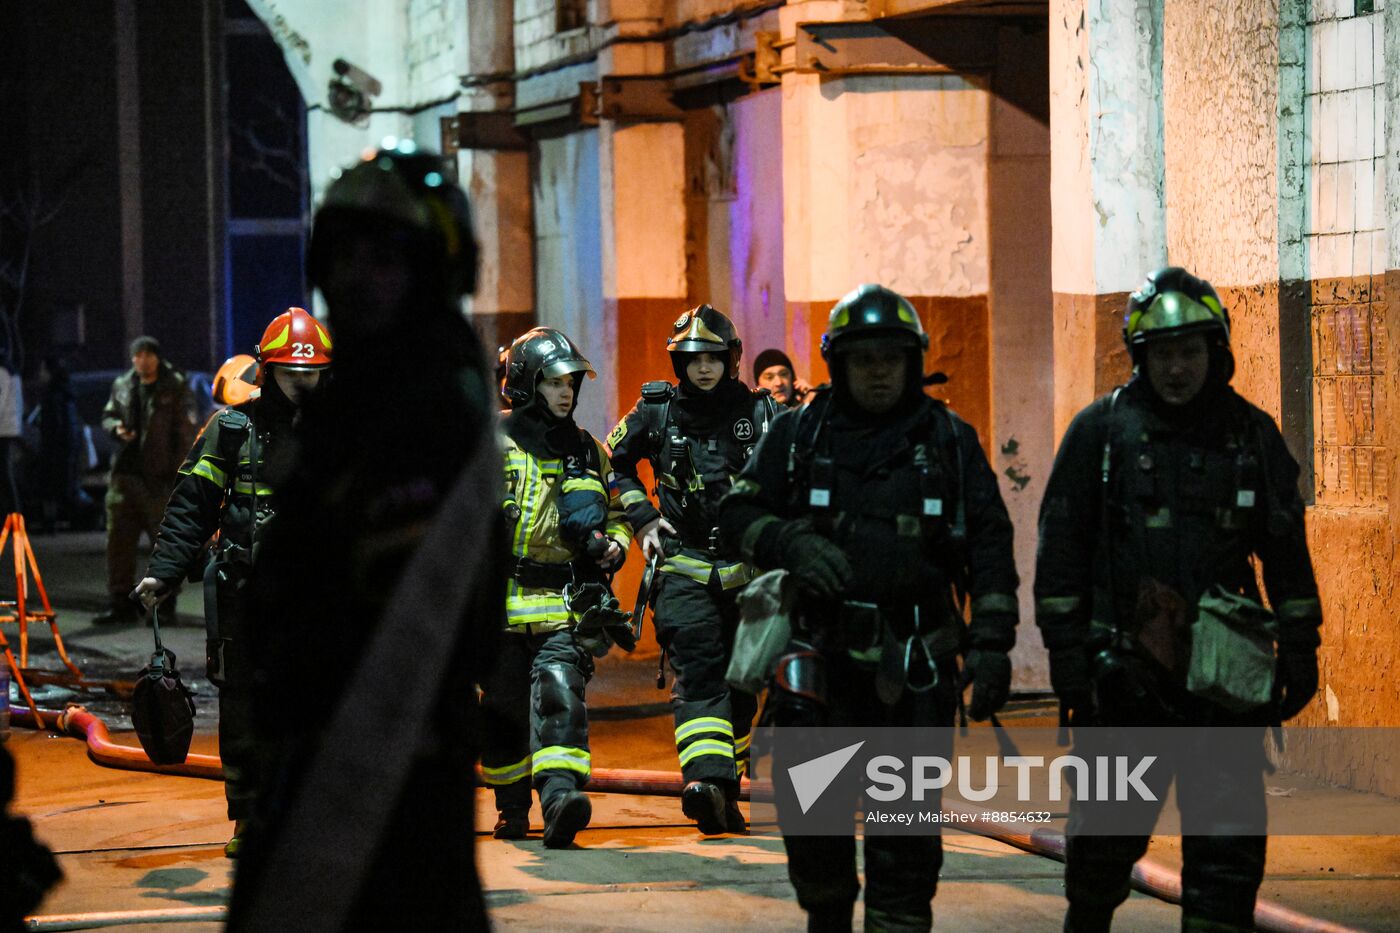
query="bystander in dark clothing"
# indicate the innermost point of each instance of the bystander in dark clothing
(152, 417)
(11, 417)
(60, 445)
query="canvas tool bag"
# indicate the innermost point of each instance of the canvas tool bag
(765, 628)
(1232, 651)
(162, 707)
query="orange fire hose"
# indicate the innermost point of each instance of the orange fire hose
(80, 724)
(1149, 877)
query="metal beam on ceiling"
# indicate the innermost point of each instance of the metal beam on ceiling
(930, 45)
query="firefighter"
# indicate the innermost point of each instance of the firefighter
(696, 434)
(880, 502)
(1161, 492)
(236, 381)
(369, 640)
(222, 488)
(568, 534)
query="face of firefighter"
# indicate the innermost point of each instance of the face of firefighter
(777, 380)
(876, 376)
(557, 393)
(1177, 367)
(296, 383)
(705, 370)
(367, 285)
(146, 364)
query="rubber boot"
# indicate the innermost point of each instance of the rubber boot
(512, 824)
(704, 803)
(566, 812)
(232, 846)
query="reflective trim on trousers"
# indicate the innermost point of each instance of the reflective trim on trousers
(508, 774)
(693, 727)
(707, 747)
(562, 758)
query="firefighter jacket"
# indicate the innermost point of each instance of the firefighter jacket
(543, 562)
(696, 444)
(165, 424)
(908, 497)
(222, 488)
(1145, 499)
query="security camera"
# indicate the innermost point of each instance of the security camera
(358, 78)
(351, 91)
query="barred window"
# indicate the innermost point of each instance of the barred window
(1349, 376)
(570, 14)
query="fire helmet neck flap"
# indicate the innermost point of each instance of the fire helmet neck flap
(538, 354)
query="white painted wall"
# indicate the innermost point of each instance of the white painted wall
(1347, 155)
(568, 268)
(885, 180)
(415, 48)
(749, 226)
(1107, 144)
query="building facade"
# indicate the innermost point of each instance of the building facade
(1015, 168)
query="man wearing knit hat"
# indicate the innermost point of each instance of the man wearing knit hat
(152, 419)
(772, 370)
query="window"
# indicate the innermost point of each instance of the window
(570, 14)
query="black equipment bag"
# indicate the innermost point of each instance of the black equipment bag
(162, 707)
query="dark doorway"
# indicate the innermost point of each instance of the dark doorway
(268, 196)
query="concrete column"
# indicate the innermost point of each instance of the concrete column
(642, 185)
(498, 183)
(885, 180)
(1223, 217)
(1107, 184)
(1021, 311)
(642, 223)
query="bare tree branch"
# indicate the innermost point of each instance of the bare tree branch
(271, 146)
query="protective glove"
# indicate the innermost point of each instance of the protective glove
(819, 567)
(1070, 679)
(989, 672)
(1071, 682)
(151, 591)
(1297, 680)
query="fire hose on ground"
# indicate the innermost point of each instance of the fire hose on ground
(1149, 877)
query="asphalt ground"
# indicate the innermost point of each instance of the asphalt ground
(134, 841)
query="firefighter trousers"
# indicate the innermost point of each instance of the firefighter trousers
(1221, 870)
(901, 872)
(695, 624)
(534, 718)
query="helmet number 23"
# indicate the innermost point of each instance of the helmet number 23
(303, 351)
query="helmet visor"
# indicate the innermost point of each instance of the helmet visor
(565, 367)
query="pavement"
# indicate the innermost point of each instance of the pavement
(134, 841)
